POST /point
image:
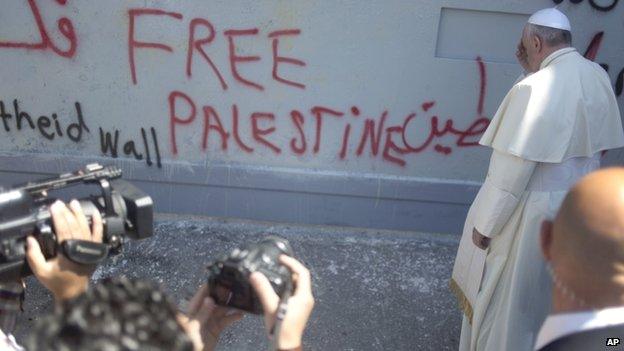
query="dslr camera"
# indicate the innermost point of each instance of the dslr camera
(24, 210)
(228, 276)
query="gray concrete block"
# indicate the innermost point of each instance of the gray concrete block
(374, 290)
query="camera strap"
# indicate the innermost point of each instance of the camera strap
(84, 252)
(282, 308)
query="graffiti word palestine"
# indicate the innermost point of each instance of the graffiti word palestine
(16, 119)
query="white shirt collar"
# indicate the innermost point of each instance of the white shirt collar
(8, 343)
(559, 325)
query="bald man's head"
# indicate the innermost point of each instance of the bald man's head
(585, 244)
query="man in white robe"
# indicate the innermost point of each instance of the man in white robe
(548, 132)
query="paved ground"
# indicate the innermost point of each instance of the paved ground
(375, 290)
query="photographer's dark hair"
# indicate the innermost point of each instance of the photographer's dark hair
(117, 314)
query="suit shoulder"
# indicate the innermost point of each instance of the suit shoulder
(594, 339)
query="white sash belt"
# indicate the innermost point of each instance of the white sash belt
(562, 176)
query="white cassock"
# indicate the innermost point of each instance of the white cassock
(547, 133)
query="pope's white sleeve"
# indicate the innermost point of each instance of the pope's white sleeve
(497, 199)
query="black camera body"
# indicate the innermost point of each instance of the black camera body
(24, 210)
(228, 276)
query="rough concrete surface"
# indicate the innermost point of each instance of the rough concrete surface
(374, 290)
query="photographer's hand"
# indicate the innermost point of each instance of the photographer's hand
(64, 278)
(206, 320)
(300, 303)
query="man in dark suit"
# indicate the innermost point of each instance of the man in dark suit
(584, 248)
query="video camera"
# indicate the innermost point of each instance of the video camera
(228, 276)
(24, 210)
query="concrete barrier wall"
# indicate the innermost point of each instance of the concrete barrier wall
(360, 113)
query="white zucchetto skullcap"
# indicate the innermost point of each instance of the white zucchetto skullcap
(552, 18)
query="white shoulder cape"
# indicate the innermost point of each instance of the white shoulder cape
(566, 109)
